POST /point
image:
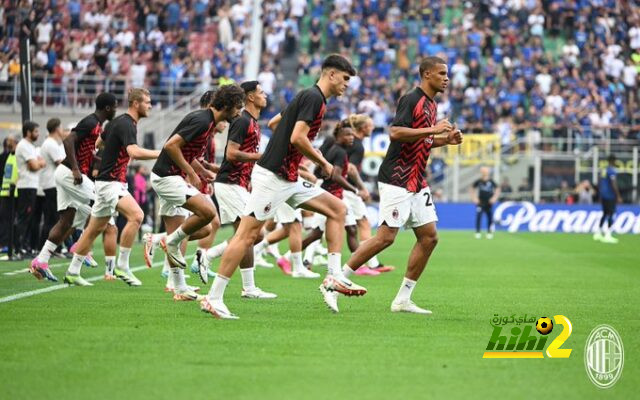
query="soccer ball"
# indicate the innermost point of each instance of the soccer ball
(544, 325)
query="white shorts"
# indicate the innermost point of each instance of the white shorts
(269, 192)
(286, 215)
(173, 191)
(69, 195)
(232, 200)
(108, 194)
(355, 205)
(399, 207)
(320, 221)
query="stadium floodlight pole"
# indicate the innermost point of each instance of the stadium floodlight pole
(25, 78)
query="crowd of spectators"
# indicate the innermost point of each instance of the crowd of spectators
(539, 68)
(169, 46)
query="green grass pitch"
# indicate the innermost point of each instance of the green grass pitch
(111, 341)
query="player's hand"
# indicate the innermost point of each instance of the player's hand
(77, 176)
(327, 170)
(454, 137)
(194, 180)
(443, 126)
(364, 195)
(208, 175)
(619, 200)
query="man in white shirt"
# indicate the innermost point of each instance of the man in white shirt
(52, 151)
(29, 163)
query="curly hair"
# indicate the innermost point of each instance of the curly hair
(345, 123)
(228, 97)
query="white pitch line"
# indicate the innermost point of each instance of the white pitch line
(30, 293)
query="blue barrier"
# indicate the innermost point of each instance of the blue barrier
(525, 216)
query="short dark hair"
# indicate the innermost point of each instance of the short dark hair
(28, 126)
(228, 96)
(205, 100)
(249, 86)
(429, 62)
(612, 158)
(340, 63)
(53, 124)
(105, 100)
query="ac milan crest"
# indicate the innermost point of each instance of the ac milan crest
(267, 208)
(395, 213)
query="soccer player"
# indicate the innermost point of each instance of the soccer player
(484, 194)
(362, 126)
(609, 196)
(405, 198)
(337, 185)
(175, 178)
(112, 196)
(75, 188)
(274, 181)
(232, 183)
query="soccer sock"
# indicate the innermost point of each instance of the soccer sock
(296, 261)
(287, 255)
(373, 262)
(347, 271)
(157, 237)
(406, 288)
(110, 262)
(274, 250)
(176, 237)
(259, 248)
(216, 292)
(45, 254)
(217, 250)
(123, 259)
(176, 276)
(248, 281)
(333, 264)
(165, 265)
(76, 264)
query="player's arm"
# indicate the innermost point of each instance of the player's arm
(99, 143)
(614, 186)
(405, 134)
(138, 153)
(300, 140)
(306, 175)
(353, 173)
(452, 138)
(235, 154)
(273, 122)
(35, 164)
(202, 170)
(69, 144)
(210, 166)
(496, 195)
(339, 179)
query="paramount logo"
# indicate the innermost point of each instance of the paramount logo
(524, 215)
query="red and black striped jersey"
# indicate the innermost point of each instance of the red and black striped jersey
(87, 132)
(337, 156)
(118, 134)
(281, 157)
(406, 162)
(195, 129)
(244, 131)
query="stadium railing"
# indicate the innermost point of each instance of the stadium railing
(78, 91)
